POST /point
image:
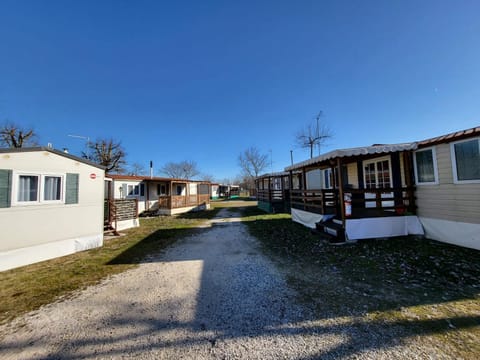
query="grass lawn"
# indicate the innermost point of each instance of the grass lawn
(233, 203)
(29, 287)
(417, 288)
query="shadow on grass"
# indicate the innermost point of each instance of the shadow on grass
(342, 281)
(371, 274)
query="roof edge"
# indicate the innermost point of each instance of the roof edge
(53, 151)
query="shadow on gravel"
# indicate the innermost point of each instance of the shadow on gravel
(241, 298)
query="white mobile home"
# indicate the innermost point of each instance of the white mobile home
(163, 196)
(51, 204)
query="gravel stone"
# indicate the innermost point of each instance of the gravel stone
(213, 295)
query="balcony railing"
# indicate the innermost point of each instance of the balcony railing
(364, 202)
(323, 201)
(180, 201)
(268, 195)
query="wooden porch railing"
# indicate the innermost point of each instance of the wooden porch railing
(323, 201)
(267, 195)
(393, 200)
(365, 202)
(179, 201)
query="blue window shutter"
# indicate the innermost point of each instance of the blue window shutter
(5, 188)
(71, 189)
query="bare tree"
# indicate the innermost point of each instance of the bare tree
(186, 169)
(314, 134)
(15, 136)
(137, 169)
(108, 153)
(252, 162)
(207, 177)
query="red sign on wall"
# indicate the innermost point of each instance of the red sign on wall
(93, 176)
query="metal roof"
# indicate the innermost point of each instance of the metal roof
(54, 151)
(458, 135)
(274, 174)
(358, 151)
(146, 178)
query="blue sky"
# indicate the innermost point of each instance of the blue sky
(204, 80)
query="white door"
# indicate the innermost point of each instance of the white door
(378, 175)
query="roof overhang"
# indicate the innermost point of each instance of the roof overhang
(354, 152)
(51, 150)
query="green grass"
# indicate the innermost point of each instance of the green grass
(421, 286)
(230, 203)
(29, 287)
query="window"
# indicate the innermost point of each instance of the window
(425, 168)
(52, 189)
(466, 161)
(27, 188)
(161, 189)
(377, 174)
(203, 189)
(130, 190)
(179, 189)
(327, 179)
(42, 188)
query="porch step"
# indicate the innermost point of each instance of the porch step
(109, 230)
(333, 229)
(337, 221)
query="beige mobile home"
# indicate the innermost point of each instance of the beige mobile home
(163, 196)
(447, 176)
(51, 205)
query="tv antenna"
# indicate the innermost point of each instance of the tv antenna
(87, 139)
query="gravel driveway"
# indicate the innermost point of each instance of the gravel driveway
(213, 295)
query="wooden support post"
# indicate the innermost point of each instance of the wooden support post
(270, 190)
(409, 181)
(170, 202)
(304, 188)
(340, 190)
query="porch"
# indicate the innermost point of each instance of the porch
(189, 196)
(358, 203)
(358, 193)
(273, 192)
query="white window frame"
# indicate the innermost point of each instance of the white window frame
(454, 162)
(375, 160)
(40, 190)
(327, 174)
(62, 190)
(435, 167)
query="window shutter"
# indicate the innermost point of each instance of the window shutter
(5, 188)
(142, 189)
(71, 189)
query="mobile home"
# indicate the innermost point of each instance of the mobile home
(51, 205)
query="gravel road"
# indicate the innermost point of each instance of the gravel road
(213, 295)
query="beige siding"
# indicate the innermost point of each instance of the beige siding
(352, 172)
(448, 201)
(402, 170)
(29, 225)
